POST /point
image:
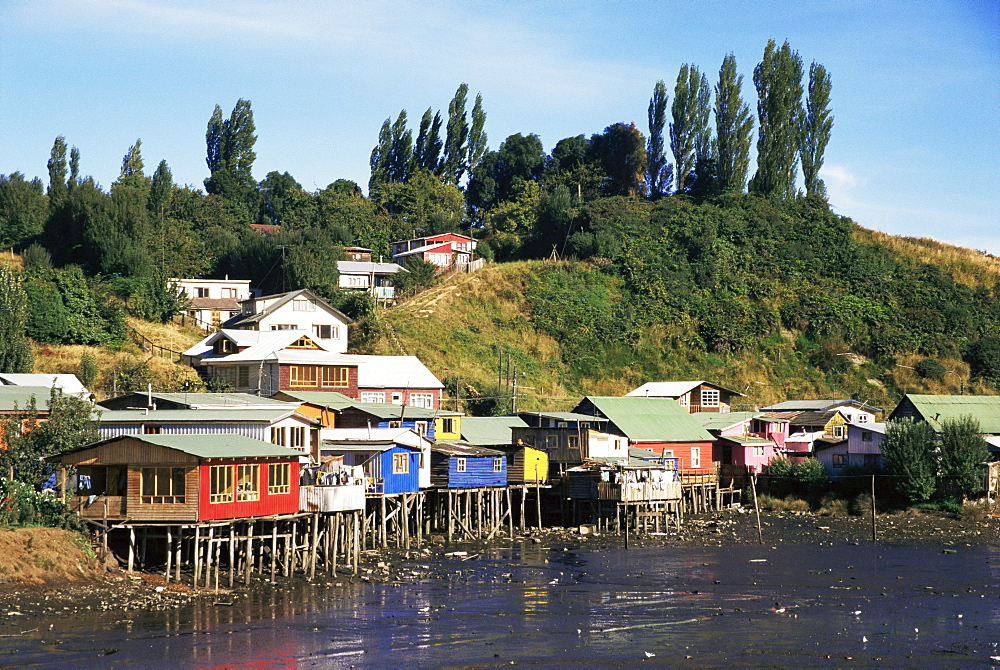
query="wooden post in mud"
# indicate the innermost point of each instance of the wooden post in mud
(357, 541)
(538, 498)
(131, 548)
(274, 548)
(451, 519)
(874, 530)
(197, 555)
(335, 523)
(232, 554)
(510, 514)
(314, 549)
(756, 506)
(625, 531)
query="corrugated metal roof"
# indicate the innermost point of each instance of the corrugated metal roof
(364, 445)
(566, 416)
(328, 399)
(457, 449)
(199, 415)
(746, 441)
(937, 408)
(66, 383)
(490, 430)
(672, 389)
(208, 400)
(368, 267)
(398, 435)
(206, 446)
(819, 405)
(722, 420)
(391, 411)
(393, 372)
(18, 397)
(651, 419)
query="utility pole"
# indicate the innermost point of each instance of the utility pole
(284, 271)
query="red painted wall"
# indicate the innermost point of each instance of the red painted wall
(351, 391)
(682, 451)
(285, 503)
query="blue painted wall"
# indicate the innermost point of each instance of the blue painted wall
(412, 425)
(402, 483)
(478, 472)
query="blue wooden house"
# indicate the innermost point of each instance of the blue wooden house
(456, 465)
(390, 467)
(387, 415)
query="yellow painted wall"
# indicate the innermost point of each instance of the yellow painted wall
(455, 434)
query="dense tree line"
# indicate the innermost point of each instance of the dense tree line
(673, 215)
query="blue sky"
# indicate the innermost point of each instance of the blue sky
(916, 84)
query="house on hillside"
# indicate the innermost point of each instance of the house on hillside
(861, 448)
(693, 396)
(657, 424)
(300, 310)
(182, 478)
(748, 440)
(853, 411)
(16, 400)
(375, 278)
(446, 250)
(809, 429)
(211, 302)
(283, 427)
(456, 465)
(936, 409)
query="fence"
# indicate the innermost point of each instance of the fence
(151, 347)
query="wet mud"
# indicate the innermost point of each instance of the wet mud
(819, 592)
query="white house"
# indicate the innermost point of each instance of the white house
(375, 278)
(853, 411)
(399, 435)
(295, 310)
(213, 301)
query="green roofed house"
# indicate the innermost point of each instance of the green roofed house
(935, 409)
(182, 478)
(657, 424)
(490, 431)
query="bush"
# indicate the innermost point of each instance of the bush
(861, 504)
(805, 479)
(831, 505)
(930, 368)
(22, 505)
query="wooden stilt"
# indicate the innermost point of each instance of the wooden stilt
(232, 554)
(131, 548)
(197, 555)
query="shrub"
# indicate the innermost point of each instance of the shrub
(930, 368)
(908, 454)
(22, 505)
(831, 505)
(861, 504)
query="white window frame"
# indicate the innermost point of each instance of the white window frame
(497, 465)
(863, 418)
(303, 305)
(372, 396)
(710, 398)
(423, 400)
(460, 464)
(695, 457)
(401, 464)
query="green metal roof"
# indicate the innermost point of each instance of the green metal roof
(488, 431)
(329, 399)
(197, 415)
(388, 410)
(746, 441)
(19, 397)
(937, 408)
(204, 446)
(565, 416)
(722, 420)
(651, 419)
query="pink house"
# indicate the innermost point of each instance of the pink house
(444, 250)
(747, 439)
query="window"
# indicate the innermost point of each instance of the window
(200, 292)
(866, 436)
(551, 441)
(425, 400)
(247, 483)
(695, 457)
(497, 465)
(325, 332)
(447, 425)
(584, 425)
(284, 326)
(279, 478)
(709, 398)
(357, 281)
(839, 460)
(573, 441)
(420, 427)
(243, 376)
(400, 464)
(225, 346)
(395, 424)
(371, 396)
(221, 485)
(397, 398)
(278, 436)
(459, 465)
(561, 424)
(335, 377)
(684, 400)
(303, 343)
(162, 486)
(297, 435)
(151, 430)
(838, 431)
(758, 451)
(302, 375)
(228, 293)
(303, 305)
(863, 418)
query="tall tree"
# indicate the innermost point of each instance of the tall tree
(401, 150)
(477, 135)
(689, 132)
(778, 79)
(816, 124)
(379, 159)
(908, 455)
(57, 172)
(733, 128)
(230, 153)
(657, 166)
(22, 209)
(456, 143)
(132, 165)
(74, 168)
(621, 151)
(15, 349)
(427, 149)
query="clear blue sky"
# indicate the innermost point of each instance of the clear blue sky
(916, 84)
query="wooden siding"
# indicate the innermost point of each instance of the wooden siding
(527, 465)
(129, 452)
(351, 390)
(256, 431)
(402, 483)
(267, 504)
(478, 471)
(638, 492)
(684, 452)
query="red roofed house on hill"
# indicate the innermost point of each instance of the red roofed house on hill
(445, 250)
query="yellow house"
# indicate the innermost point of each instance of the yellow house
(526, 464)
(448, 425)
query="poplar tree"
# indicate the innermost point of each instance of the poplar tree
(689, 131)
(733, 128)
(15, 349)
(230, 152)
(477, 135)
(400, 150)
(816, 124)
(456, 143)
(74, 168)
(427, 148)
(132, 165)
(57, 172)
(963, 452)
(658, 172)
(778, 79)
(379, 160)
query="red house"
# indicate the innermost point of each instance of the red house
(182, 478)
(444, 250)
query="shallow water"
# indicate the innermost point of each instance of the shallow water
(801, 605)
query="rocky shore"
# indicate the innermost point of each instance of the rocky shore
(28, 605)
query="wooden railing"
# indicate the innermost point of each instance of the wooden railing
(151, 347)
(638, 491)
